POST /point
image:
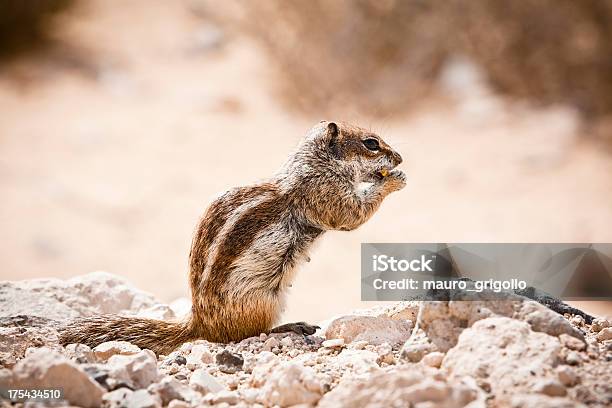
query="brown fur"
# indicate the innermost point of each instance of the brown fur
(250, 240)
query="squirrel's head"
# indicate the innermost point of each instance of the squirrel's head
(358, 147)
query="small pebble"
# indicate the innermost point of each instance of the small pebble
(433, 359)
(229, 362)
(551, 388)
(577, 320)
(178, 404)
(573, 358)
(571, 342)
(359, 345)
(567, 375)
(333, 343)
(229, 397)
(286, 342)
(605, 334)
(186, 347)
(271, 343)
(599, 324)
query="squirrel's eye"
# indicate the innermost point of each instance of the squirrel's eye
(371, 144)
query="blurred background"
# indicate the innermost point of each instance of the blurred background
(121, 120)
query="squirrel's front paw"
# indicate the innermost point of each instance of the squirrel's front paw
(396, 180)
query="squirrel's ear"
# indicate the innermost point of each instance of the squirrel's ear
(332, 138)
(332, 132)
(332, 129)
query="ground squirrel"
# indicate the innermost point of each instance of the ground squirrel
(250, 240)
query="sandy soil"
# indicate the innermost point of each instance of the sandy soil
(113, 146)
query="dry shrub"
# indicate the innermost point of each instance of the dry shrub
(381, 56)
(366, 56)
(25, 24)
(550, 51)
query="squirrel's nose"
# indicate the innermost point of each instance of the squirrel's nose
(397, 158)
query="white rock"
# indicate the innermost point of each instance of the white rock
(400, 388)
(442, 327)
(358, 363)
(14, 341)
(202, 381)
(605, 334)
(6, 378)
(181, 307)
(567, 375)
(169, 389)
(111, 377)
(179, 404)
(385, 354)
(307, 359)
(359, 345)
(288, 383)
(46, 368)
(333, 343)
(552, 388)
(577, 320)
(117, 398)
(225, 396)
(157, 312)
(124, 397)
(407, 310)
(110, 293)
(505, 352)
(571, 342)
(254, 360)
(286, 342)
(141, 367)
(206, 38)
(542, 319)
(108, 349)
(600, 323)
(374, 330)
(573, 358)
(200, 354)
(250, 395)
(94, 293)
(232, 382)
(444, 321)
(539, 401)
(80, 353)
(143, 399)
(416, 348)
(186, 347)
(433, 359)
(266, 357)
(270, 343)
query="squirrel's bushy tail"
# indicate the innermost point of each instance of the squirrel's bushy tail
(157, 335)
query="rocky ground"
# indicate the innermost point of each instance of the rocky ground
(510, 353)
